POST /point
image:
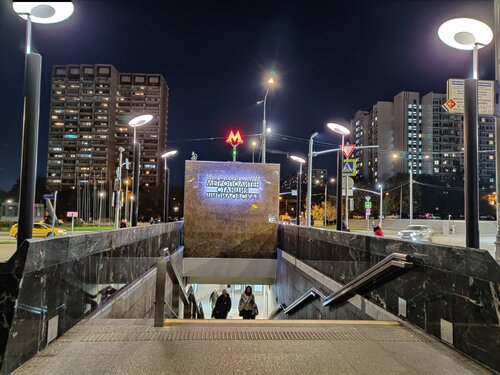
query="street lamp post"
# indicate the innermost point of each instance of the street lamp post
(38, 12)
(135, 123)
(411, 187)
(381, 203)
(166, 182)
(342, 130)
(126, 198)
(254, 144)
(299, 184)
(118, 188)
(264, 127)
(101, 195)
(469, 34)
(309, 180)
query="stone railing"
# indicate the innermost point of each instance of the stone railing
(49, 285)
(452, 292)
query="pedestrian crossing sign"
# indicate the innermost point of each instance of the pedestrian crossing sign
(349, 167)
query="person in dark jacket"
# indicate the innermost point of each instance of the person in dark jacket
(222, 306)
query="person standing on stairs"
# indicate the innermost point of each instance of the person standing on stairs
(247, 306)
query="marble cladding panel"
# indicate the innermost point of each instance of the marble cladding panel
(291, 283)
(454, 284)
(240, 224)
(62, 276)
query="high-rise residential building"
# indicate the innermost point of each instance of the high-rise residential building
(407, 130)
(443, 142)
(420, 135)
(89, 113)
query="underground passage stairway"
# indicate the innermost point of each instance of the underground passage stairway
(135, 346)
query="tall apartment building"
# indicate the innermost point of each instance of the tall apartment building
(89, 113)
(442, 141)
(422, 135)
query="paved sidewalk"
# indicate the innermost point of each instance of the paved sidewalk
(130, 346)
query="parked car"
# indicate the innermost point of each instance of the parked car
(39, 230)
(487, 217)
(416, 233)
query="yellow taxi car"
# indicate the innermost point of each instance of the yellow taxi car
(39, 230)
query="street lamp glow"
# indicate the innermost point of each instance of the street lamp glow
(297, 159)
(270, 81)
(44, 11)
(254, 143)
(269, 130)
(465, 33)
(169, 154)
(339, 129)
(140, 120)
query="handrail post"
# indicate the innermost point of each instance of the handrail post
(161, 278)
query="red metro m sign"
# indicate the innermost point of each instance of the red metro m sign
(234, 140)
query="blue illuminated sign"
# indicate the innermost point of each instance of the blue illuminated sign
(233, 188)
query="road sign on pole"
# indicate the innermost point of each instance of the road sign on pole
(349, 167)
(368, 212)
(348, 149)
(368, 204)
(455, 89)
(48, 196)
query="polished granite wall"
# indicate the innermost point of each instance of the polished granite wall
(452, 293)
(49, 285)
(229, 218)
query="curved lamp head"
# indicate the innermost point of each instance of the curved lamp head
(297, 159)
(339, 129)
(140, 120)
(465, 33)
(169, 154)
(44, 11)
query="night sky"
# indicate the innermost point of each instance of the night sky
(332, 58)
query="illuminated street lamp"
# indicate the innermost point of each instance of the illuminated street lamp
(254, 144)
(469, 34)
(265, 130)
(127, 181)
(166, 181)
(309, 179)
(332, 180)
(101, 195)
(343, 131)
(38, 12)
(135, 123)
(299, 183)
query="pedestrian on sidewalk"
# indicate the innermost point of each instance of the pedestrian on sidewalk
(377, 230)
(213, 298)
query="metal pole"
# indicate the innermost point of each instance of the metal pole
(31, 113)
(100, 207)
(401, 202)
(253, 154)
(135, 202)
(55, 215)
(309, 180)
(471, 187)
(118, 191)
(126, 200)
(475, 53)
(411, 190)
(340, 161)
(299, 193)
(234, 153)
(264, 128)
(497, 124)
(326, 197)
(381, 205)
(166, 192)
(346, 204)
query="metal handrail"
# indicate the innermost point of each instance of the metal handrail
(311, 293)
(382, 268)
(165, 267)
(276, 311)
(379, 270)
